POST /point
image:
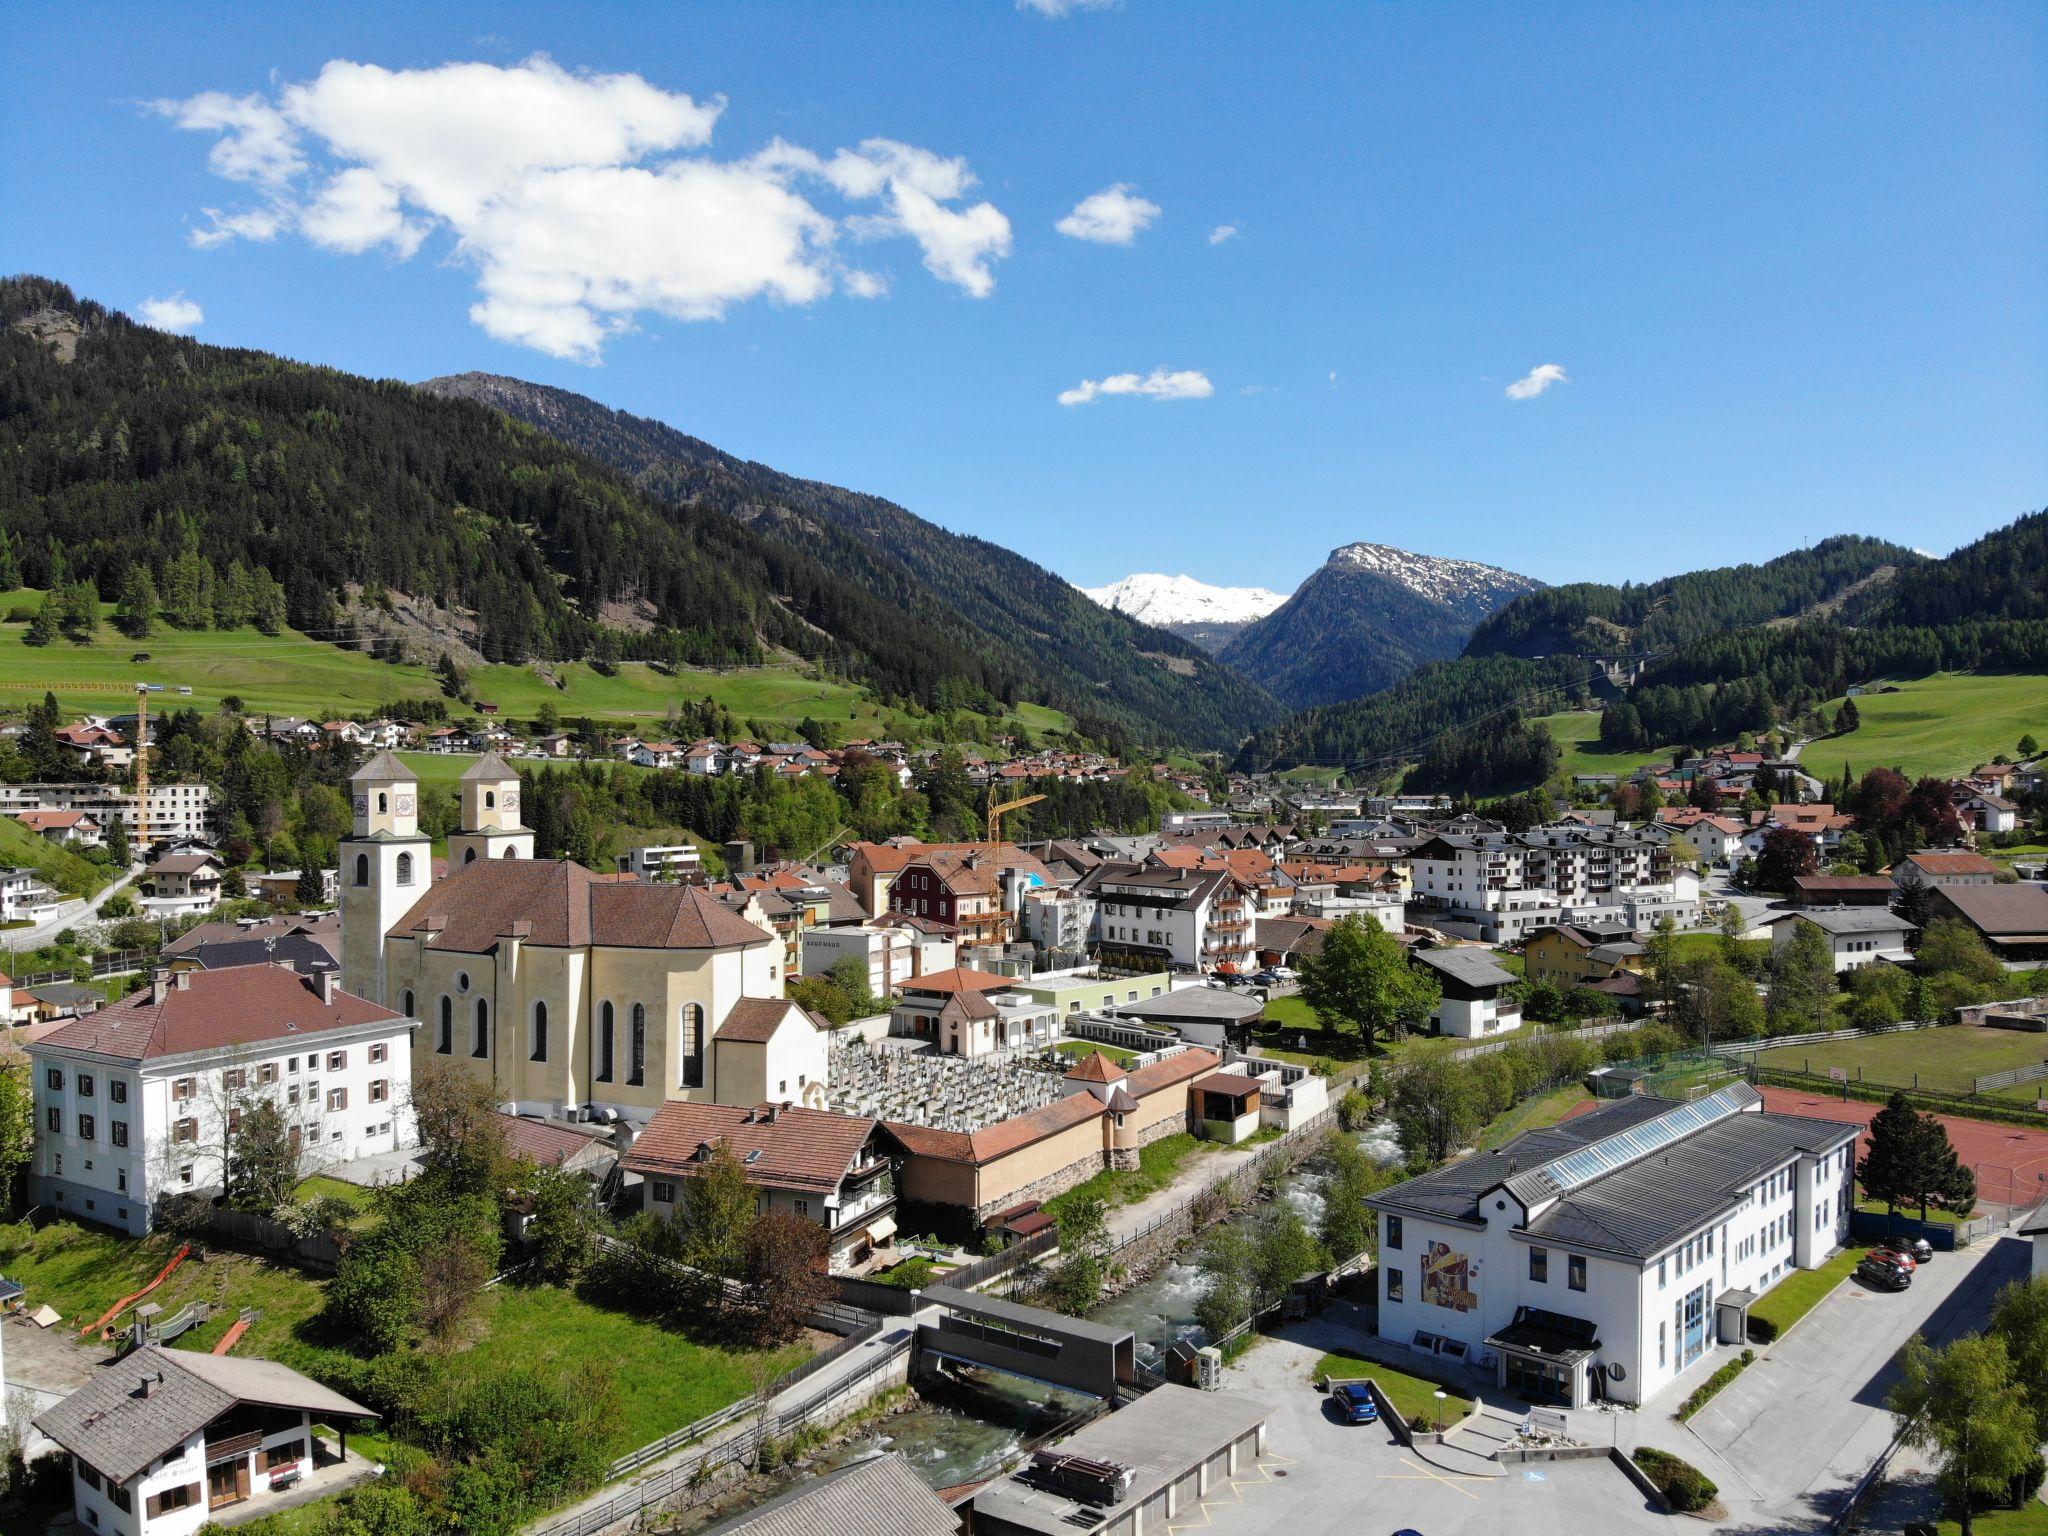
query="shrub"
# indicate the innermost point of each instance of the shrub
(1704, 1393)
(1684, 1486)
(1762, 1330)
(911, 1275)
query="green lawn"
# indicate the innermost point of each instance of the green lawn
(1944, 724)
(1546, 1109)
(71, 874)
(1157, 1165)
(664, 1379)
(1414, 1396)
(2031, 1521)
(1946, 1059)
(1934, 1214)
(1078, 1049)
(1801, 1291)
(1577, 734)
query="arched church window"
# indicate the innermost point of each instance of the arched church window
(383, 802)
(362, 869)
(540, 1031)
(481, 1046)
(638, 1060)
(605, 1019)
(446, 1044)
(490, 799)
(405, 869)
(469, 855)
(408, 1002)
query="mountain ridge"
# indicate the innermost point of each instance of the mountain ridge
(1101, 666)
(1368, 617)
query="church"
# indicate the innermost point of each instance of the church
(575, 993)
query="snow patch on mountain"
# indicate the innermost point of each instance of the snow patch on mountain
(1151, 598)
(1445, 580)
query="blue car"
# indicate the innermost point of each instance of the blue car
(1355, 1402)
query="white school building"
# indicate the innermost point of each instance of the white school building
(1604, 1256)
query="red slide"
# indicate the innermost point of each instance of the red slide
(126, 1302)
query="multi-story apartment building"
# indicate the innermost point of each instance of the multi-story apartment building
(1607, 1255)
(1193, 919)
(177, 811)
(139, 1099)
(1507, 885)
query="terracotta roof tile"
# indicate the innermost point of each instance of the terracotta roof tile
(962, 978)
(1095, 1067)
(807, 1149)
(215, 1010)
(568, 907)
(755, 1019)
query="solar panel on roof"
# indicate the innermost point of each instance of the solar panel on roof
(1625, 1147)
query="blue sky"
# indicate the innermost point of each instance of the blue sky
(1788, 259)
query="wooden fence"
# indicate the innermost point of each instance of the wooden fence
(252, 1229)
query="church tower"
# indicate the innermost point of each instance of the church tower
(386, 865)
(490, 815)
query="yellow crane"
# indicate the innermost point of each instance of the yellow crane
(142, 770)
(996, 812)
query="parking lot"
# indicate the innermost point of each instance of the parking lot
(1326, 1476)
(1790, 1436)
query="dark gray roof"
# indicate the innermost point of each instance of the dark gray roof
(116, 1428)
(1840, 920)
(1203, 1003)
(878, 1497)
(307, 955)
(1651, 1204)
(974, 1304)
(1474, 967)
(2036, 1224)
(1453, 1190)
(1162, 1437)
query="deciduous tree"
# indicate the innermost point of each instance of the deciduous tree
(1362, 979)
(1964, 1406)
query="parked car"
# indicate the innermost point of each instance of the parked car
(1917, 1249)
(1265, 978)
(1283, 973)
(1883, 1275)
(1354, 1400)
(1885, 1253)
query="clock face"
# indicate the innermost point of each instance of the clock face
(362, 805)
(405, 805)
(510, 799)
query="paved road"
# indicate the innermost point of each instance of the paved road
(1795, 1431)
(70, 914)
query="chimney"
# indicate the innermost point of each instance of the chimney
(327, 980)
(159, 989)
(183, 979)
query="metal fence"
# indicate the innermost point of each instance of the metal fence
(736, 1449)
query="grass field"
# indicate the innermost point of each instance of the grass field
(1946, 1059)
(292, 674)
(2031, 1521)
(1536, 1114)
(1076, 1049)
(72, 875)
(1802, 1290)
(664, 1379)
(1944, 724)
(1414, 1396)
(1577, 734)
(1157, 1165)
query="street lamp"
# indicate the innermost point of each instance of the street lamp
(1441, 1394)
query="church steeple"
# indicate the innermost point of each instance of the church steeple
(491, 828)
(385, 865)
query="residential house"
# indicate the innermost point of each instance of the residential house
(179, 884)
(835, 1170)
(1504, 886)
(1843, 890)
(1473, 982)
(1987, 812)
(1944, 867)
(136, 1100)
(25, 897)
(892, 951)
(177, 809)
(662, 861)
(966, 1012)
(95, 745)
(72, 829)
(164, 1440)
(1857, 936)
(1573, 955)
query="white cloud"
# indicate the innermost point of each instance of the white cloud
(1333, 378)
(1113, 216)
(1221, 233)
(1537, 380)
(1059, 8)
(177, 314)
(579, 200)
(1186, 384)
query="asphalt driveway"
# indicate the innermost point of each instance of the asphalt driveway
(1791, 1435)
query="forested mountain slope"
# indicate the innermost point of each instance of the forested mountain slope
(124, 449)
(1590, 618)
(1095, 664)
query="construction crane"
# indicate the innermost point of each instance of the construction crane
(142, 769)
(996, 812)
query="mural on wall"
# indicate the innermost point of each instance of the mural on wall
(1447, 1279)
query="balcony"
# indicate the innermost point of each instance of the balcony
(870, 1200)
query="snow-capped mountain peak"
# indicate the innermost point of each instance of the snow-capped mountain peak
(1432, 576)
(1151, 598)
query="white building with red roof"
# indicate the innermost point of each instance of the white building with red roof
(138, 1100)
